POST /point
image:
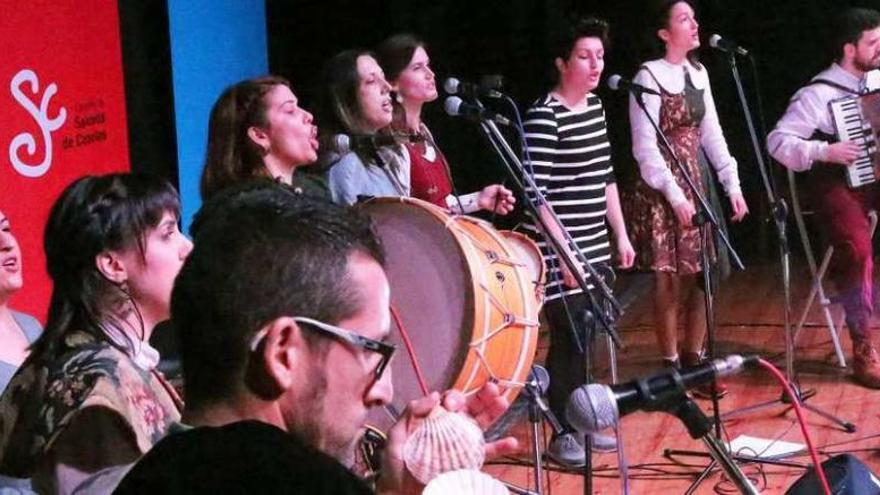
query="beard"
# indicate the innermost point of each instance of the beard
(866, 64)
(311, 422)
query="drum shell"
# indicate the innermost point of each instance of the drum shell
(465, 294)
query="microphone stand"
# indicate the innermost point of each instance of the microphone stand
(707, 221)
(512, 163)
(538, 408)
(524, 181)
(699, 426)
(779, 216)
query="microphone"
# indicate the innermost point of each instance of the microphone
(594, 407)
(539, 378)
(456, 107)
(489, 86)
(606, 272)
(343, 143)
(617, 83)
(725, 45)
(537, 384)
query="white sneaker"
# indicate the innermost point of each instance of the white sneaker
(566, 450)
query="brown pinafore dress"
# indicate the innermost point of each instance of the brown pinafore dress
(660, 242)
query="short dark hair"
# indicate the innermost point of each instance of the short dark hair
(568, 36)
(848, 27)
(261, 252)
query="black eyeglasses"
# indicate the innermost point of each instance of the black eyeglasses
(355, 339)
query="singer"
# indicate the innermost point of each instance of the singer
(89, 395)
(803, 140)
(662, 206)
(408, 68)
(257, 129)
(570, 161)
(357, 101)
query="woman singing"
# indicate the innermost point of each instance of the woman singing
(570, 161)
(357, 102)
(258, 129)
(89, 395)
(665, 236)
(408, 68)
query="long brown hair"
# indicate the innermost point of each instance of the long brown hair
(232, 155)
(341, 107)
(394, 55)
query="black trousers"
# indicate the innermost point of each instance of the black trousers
(565, 362)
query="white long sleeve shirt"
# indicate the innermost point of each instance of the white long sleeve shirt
(654, 170)
(790, 141)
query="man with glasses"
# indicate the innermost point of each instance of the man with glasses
(282, 313)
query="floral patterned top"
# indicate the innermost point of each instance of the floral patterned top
(42, 400)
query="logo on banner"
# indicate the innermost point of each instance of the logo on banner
(41, 116)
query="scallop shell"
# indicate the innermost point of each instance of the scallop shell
(445, 441)
(465, 482)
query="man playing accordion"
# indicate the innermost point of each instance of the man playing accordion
(805, 140)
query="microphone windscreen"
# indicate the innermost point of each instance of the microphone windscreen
(452, 105)
(450, 85)
(341, 144)
(540, 375)
(591, 408)
(714, 40)
(614, 82)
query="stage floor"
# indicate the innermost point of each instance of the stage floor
(750, 320)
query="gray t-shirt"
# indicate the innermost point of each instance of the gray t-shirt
(31, 329)
(350, 178)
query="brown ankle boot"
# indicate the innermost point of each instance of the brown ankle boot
(703, 391)
(866, 364)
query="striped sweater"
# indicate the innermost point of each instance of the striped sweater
(570, 162)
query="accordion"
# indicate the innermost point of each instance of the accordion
(857, 119)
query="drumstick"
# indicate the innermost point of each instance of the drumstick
(392, 412)
(409, 350)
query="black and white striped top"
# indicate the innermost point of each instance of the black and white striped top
(571, 165)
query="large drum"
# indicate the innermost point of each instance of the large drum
(466, 298)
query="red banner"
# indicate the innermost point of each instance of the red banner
(63, 105)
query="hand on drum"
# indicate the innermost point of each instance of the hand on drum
(496, 198)
(485, 406)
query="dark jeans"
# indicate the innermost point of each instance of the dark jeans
(565, 362)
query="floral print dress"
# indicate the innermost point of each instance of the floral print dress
(42, 400)
(661, 244)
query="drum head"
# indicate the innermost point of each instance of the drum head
(431, 293)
